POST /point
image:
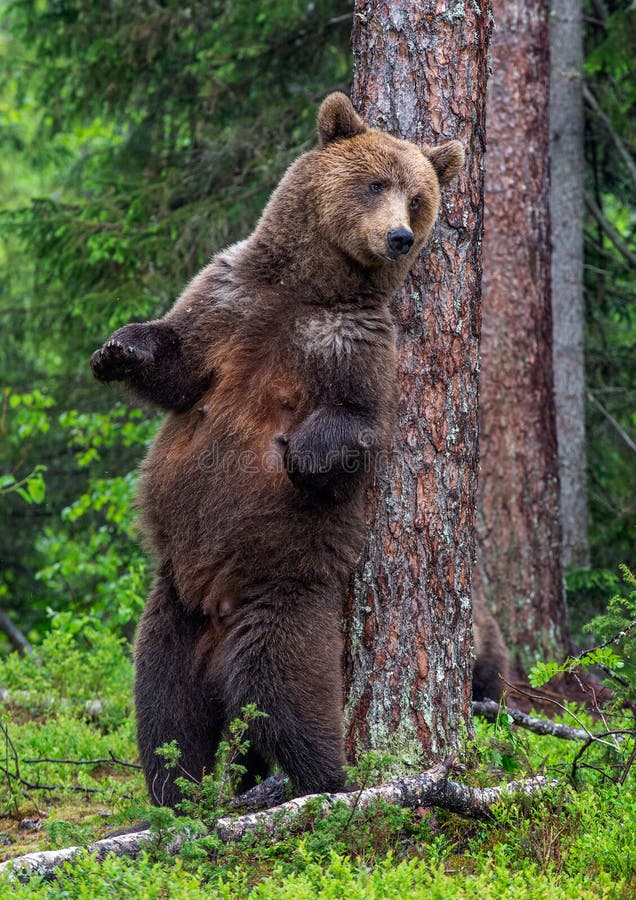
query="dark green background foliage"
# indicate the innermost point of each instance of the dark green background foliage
(136, 139)
(610, 279)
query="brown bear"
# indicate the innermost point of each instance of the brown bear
(491, 654)
(278, 367)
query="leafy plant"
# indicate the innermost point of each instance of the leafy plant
(617, 625)
(31, 488)
(206, 799)
(615, 739)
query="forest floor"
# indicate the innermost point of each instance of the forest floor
(66, 780)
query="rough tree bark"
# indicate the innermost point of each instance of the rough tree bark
(518, 520)
(421, 73)
(566, 213)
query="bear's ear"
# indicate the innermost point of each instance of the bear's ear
(337, 119)
(447, 160)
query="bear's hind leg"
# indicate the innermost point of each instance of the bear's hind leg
(257, 769)
(173, 701)
(283, 655)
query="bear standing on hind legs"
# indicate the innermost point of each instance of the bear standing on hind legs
(277, 365)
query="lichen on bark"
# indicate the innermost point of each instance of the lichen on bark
(422, 76)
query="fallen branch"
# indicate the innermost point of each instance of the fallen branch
(33, 786)
(14, 635)
(111, 758)
(623, 152)
(595, 738)
(11, 754)
(47, 862)
(491, 711)
(610, 232)
(610, 418)
(432, 788)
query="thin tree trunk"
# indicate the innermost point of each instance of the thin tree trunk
(518, 521)
(566, 212)
(421, 74)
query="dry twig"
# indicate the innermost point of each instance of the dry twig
(111, 758)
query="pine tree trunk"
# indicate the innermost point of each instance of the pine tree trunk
(421, 74)
(518, 520)
(566, 212)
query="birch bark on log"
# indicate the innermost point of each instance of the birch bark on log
(412, 791)
(420, 73)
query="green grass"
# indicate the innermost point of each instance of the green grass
(566, 844)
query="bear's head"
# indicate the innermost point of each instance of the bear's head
(377, 196)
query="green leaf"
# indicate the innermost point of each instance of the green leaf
(36, 489)
(542, 672)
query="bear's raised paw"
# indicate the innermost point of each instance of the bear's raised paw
(116, 360)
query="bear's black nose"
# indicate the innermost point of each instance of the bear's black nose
(400, 241)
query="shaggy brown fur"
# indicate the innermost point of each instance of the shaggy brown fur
(278, 367)
(491, 654)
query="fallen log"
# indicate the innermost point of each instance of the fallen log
(491, 710)
(431, 788)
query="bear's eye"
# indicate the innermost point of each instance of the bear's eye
(376, 187)
(415, 203)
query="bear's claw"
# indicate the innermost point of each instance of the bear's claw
(115, 362)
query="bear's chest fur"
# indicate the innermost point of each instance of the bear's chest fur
(329, 337)
(273, 372)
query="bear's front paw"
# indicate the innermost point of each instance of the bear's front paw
(305, 470)
(315, 468)
(117, 360)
